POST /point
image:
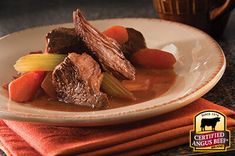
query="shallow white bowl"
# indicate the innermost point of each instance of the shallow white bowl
(200, 65)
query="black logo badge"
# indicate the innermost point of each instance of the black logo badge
(210, 132)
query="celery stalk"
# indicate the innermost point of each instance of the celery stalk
(47, 62)
(113, 87)
(38, 62)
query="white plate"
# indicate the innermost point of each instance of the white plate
(200, 65)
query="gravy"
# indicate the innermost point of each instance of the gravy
(159, 82)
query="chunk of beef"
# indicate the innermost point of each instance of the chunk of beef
(64, 40)
(135, 42)
(77, 80)
(106, 50)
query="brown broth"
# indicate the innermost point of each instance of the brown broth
(160, 81)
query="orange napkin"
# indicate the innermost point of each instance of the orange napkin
(137, 138)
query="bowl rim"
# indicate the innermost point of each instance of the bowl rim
(75, 117)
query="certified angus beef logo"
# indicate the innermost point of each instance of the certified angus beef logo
(210, 132)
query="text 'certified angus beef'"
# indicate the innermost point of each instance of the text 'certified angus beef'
(77, 80)
(106, 50)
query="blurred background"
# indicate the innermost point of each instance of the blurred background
(20, 14)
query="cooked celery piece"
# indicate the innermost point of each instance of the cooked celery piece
(113, 87)
(38, 62)
(47, 62)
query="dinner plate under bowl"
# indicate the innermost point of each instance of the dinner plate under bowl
(200, 65)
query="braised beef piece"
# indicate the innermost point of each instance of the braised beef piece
(64, 40)
(104, 49)
(135, 42)
(77, 80)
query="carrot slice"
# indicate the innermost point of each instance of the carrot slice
(153, 58)
(25, 87)
(119, 33)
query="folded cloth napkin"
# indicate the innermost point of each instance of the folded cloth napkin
(137, 138)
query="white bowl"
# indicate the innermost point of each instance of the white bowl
(200, 65)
